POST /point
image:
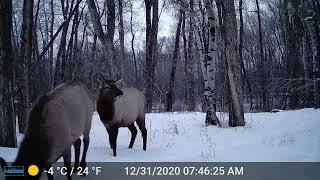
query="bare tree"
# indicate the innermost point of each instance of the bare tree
(132, 42)
(234, 70)
(294, 66)
(185, 55)
(61, 55)
(261, 67)
(7, 119)
(106, 40)
(72, 64)
(111, 25)
(244, 72)
(309, 13)
(151, 47)
(121, 37)
(51, 46)
(175, 57)
(190, 63)
(25, 58)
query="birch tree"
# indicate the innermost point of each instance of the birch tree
(209, 68)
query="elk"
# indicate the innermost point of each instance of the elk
(55, 123)
(121, 107)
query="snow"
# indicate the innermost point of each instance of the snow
(289, 136)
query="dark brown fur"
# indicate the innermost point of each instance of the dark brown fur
(36, 147)
(122, 112)
(34, 137)
(105, 108)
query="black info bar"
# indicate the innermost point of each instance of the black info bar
(175, 171)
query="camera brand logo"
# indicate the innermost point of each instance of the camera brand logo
(14, 171)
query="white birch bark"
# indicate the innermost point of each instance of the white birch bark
(210, 94)
(208, 65)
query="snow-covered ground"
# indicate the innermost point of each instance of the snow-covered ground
(285, 136)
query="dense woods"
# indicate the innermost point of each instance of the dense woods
(224, 55)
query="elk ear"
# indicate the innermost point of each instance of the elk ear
(119, 83)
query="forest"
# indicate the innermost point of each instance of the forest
(230, 56)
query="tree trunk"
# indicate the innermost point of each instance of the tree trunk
(185, 55)
(107, 42)
(37, 71)
(71, 64)
(61, 56)
(76, 71)
(132, 42)
(307, 56)
(111, 25)
(244, 72)
(7, 119)
(235, 78)
(313, 28)
(151, 50)
(121, 37)
(51, 46)
(170, 95)
(241, 35)
(210, 66)
(190, 64)
(93, 70)
(294, 67)
(25, 57)
(261, 64)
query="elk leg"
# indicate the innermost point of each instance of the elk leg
(77, 145)
(86, 140)
(133, 131)
(110, 137)
(142, 127)
(114, 135)
(67, 162)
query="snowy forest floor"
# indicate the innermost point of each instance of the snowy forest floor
(290, 136)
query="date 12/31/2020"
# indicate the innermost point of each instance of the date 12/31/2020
(186, 171)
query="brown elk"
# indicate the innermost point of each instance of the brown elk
(121, 107)
(55, 123)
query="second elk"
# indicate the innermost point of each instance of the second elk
(121, 107)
